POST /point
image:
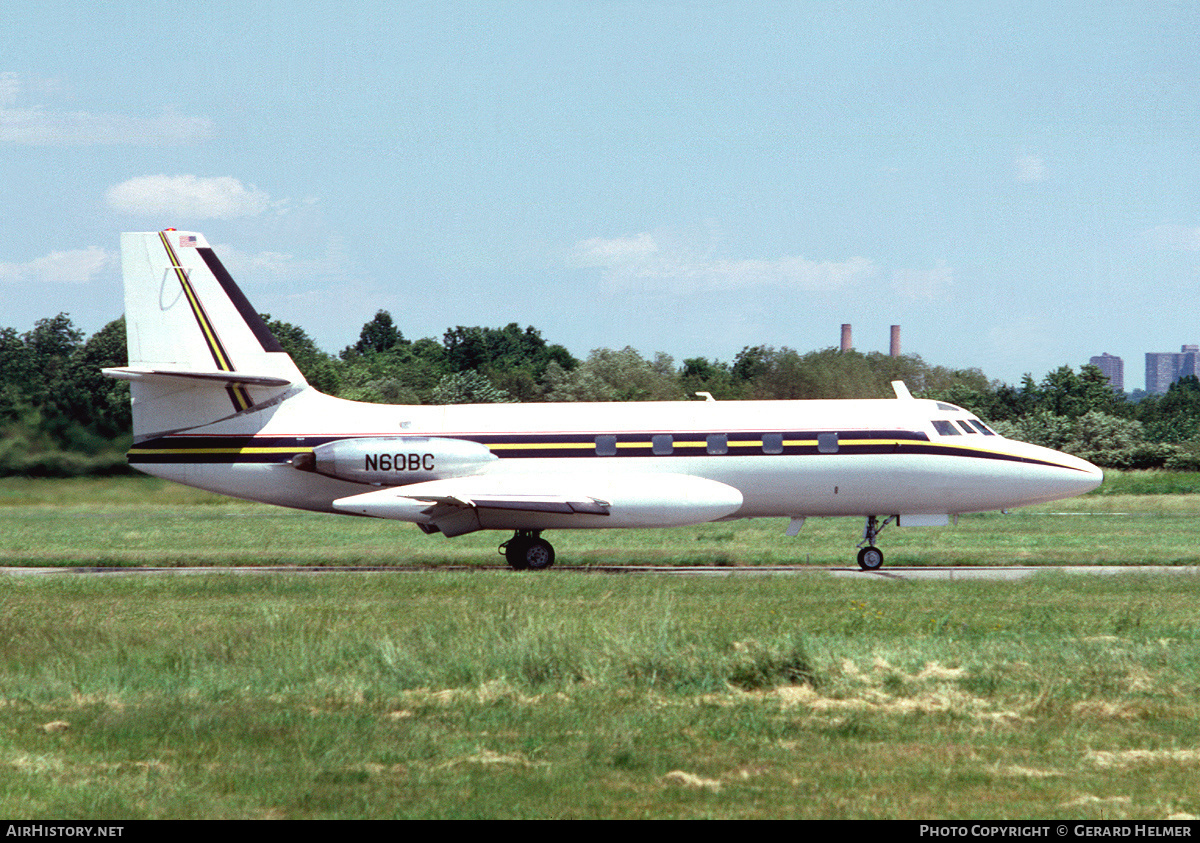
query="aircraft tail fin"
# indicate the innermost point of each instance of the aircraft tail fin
(198, 350)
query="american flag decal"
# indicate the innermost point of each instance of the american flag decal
(187, 240)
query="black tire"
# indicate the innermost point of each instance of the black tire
(515, 552)
(870, 559)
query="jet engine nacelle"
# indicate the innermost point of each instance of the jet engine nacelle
(396, 460)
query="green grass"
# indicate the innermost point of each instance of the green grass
(492, 694)
(465, 695)
(1148, 483)
(135, 521)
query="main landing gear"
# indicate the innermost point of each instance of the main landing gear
(528, 551)
(870, 558)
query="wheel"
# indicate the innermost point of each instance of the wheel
(514, 552)
(870, 559)
(539, 555)
(528, 553)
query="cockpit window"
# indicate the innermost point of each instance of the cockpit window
(948, 408)
(945, 428)
(983, 428)
(968, 428)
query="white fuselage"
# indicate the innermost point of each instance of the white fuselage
(785, 458)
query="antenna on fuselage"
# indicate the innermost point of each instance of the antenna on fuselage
(901, 391)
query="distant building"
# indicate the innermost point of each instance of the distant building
(1163, 369)
(1113, 369)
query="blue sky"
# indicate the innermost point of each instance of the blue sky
(1016, 187)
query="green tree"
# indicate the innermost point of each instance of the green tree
(468, 388)
(503, 349)
(698, 374)
(380, 334)
(405, 373)
(612, 375)
(318, 368)
(58, 414)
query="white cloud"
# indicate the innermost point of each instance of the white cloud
(190, 197)
(268, 267)
(1030, 168)
(73, 266)
(924, 284)
(608, 252)
(39, 125)
(641, 258)
(10, 87)
(1181, 238)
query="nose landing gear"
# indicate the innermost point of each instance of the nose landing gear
(870, 558)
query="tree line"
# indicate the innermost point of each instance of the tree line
(60, 417)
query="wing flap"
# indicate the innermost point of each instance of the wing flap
(542, 503)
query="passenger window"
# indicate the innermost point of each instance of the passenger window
(606, 445)
(827, 443)
(661, 444)
(718, 443)
(967, 428)
(945, 428)
(772, 443)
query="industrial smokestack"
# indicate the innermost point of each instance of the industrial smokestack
(846, 343)
(895, 350)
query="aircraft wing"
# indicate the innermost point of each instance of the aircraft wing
(465, 504)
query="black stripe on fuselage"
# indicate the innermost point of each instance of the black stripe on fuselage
(185, 449)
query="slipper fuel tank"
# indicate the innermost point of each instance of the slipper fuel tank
(396, 460)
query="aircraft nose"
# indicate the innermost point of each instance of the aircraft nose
(1074, 476)
(1089, 476)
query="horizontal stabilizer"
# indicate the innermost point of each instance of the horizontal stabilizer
(126, 373)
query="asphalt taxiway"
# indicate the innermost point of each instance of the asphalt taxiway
(956, 574)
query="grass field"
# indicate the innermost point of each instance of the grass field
(136, 521)
(460, 694)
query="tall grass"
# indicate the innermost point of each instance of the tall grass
(472, 695)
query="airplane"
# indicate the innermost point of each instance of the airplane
(219, 405)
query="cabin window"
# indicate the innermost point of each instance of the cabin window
(718, 443)
(983, 428)
(949, 408)
(772, 443)
(606, 445)
(945, 428)
(827, 443)
(662, 444)
(967, 428)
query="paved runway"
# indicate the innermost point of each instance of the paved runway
(960, 574)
